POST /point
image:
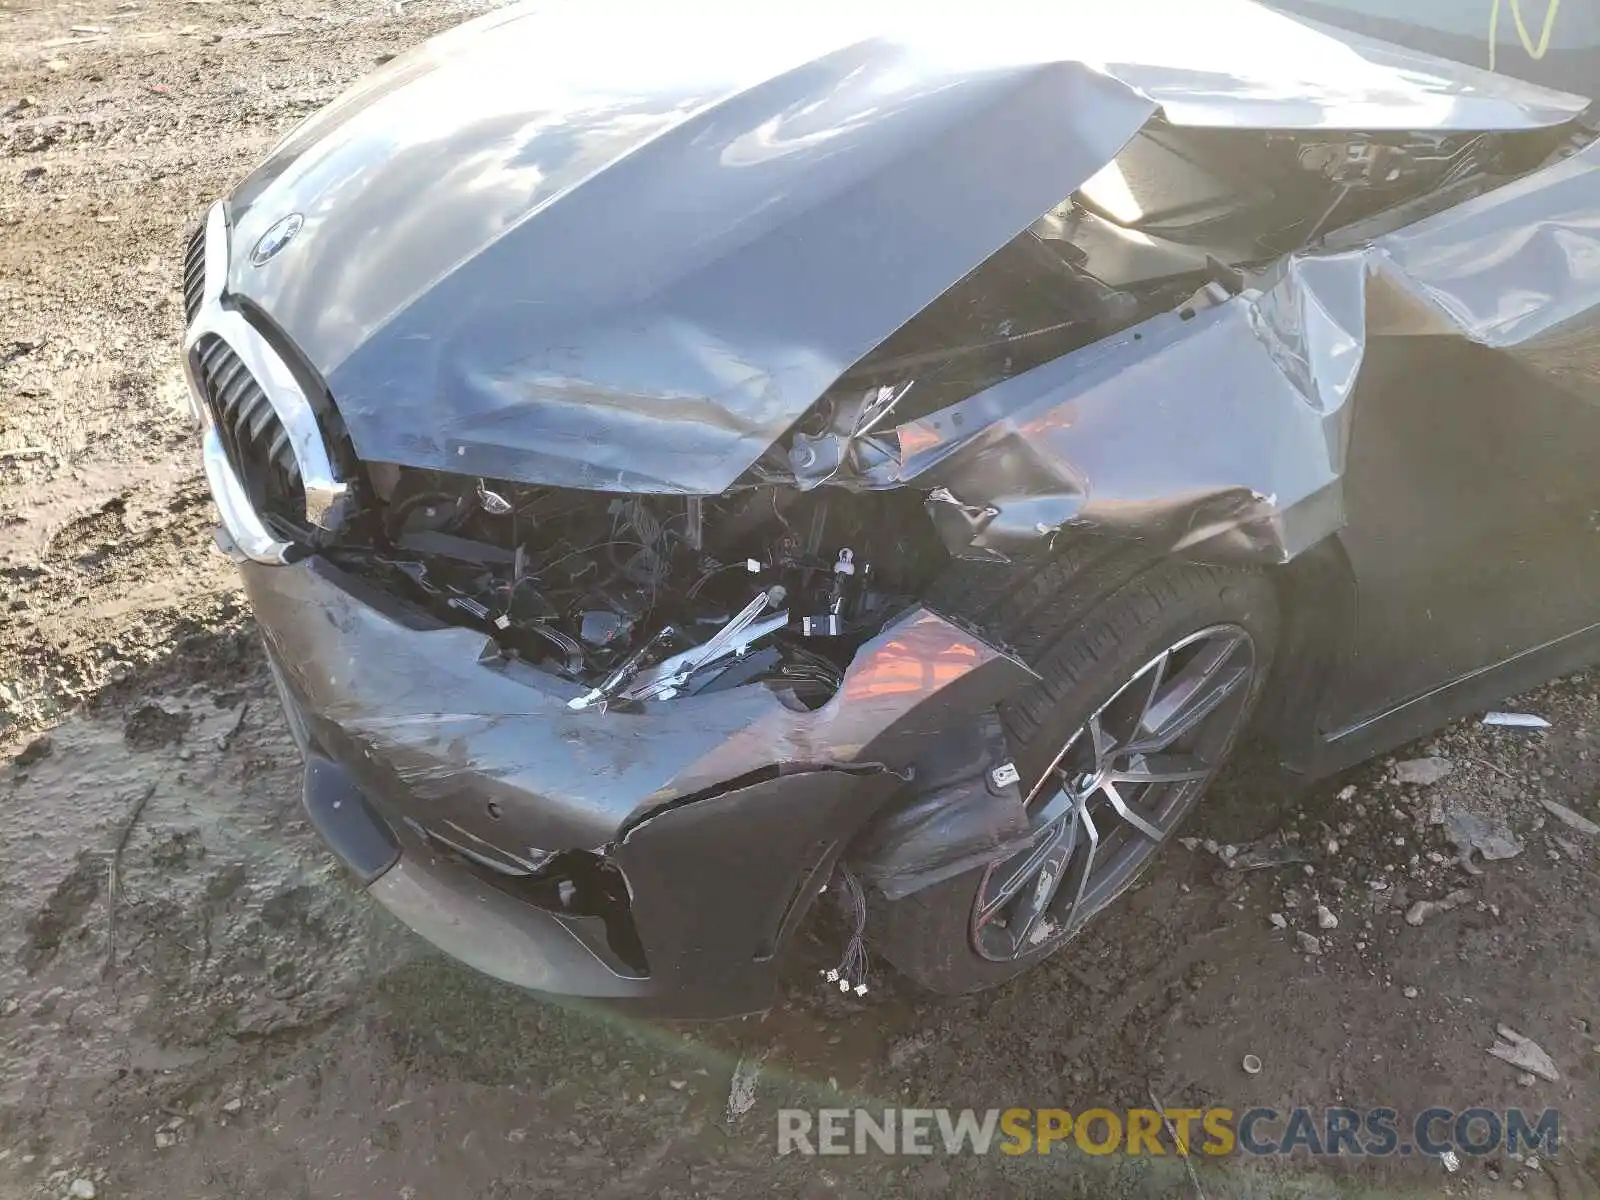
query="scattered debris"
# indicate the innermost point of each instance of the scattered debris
(1572, 820)
(225, 739)
(1270, 851)
(1180, 1143)
(1489, 835)
(115, 880)
(1309, 943)
(742, 1087)
(1423, 909)
(35, 751)
(1526, 1079)
(1450, 1161)
(233, 1107)
(1423, 771)
(1251, 1064)
(1325, 918)
(150, 726)
(1515, 720)
(1511, 1047)
(1348, 792)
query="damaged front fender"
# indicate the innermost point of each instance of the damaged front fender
(1219, 432)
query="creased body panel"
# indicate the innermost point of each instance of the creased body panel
(661, 329)
(451, 731)
(625, 247)
(1224, 435)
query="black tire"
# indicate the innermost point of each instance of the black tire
(1084, 648)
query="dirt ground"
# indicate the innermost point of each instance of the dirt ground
(195, 1002)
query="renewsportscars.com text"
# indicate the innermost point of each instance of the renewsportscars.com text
(1210, 1131)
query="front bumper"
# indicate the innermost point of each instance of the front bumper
(439, 770)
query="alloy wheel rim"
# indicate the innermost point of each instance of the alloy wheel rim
(1115, 791)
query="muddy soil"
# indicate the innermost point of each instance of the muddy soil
(195, 1002)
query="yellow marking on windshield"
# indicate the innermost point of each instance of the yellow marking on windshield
(1536, 49)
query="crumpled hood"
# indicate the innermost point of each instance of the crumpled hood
(626, 247)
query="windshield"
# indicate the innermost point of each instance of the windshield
(1552, 42)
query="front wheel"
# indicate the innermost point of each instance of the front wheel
(1139, 703)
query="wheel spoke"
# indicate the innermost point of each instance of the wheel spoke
(1099, 740)
(1081, 867)
(1034, 902)
(1053, 770)
(1162, 768)
(1062, 827)
(1192, 695)
(1158, 676)
(1130, 814)
(1140, 758)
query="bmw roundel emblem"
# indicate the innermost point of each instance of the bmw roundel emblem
(276, 238)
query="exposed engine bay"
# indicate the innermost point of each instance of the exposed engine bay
(645, 598)
(1177, 211)
(779, 580)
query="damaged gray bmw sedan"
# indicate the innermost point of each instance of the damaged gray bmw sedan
(683, 460)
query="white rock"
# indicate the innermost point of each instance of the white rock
(1423, 771)
(1571, 819)
(1409, 993)
(1279, 921)
(742, 1087)
(1423, 909)
(1512, 1047)
(1325, 918)
(1505, 719)
(82, 1189)
(1309, 943)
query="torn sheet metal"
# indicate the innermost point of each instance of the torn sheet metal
(458, 734)
(640, 268)
(1219, 432)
